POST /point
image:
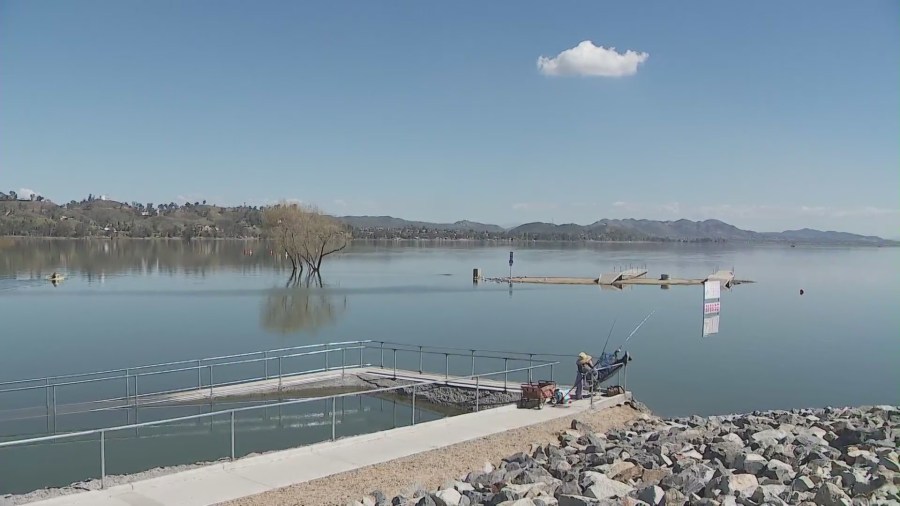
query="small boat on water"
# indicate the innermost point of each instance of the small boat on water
(56, 278)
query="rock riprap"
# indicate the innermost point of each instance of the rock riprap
(831, 456)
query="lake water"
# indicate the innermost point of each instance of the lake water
(127, 303)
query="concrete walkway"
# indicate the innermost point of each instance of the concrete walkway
(253, 475)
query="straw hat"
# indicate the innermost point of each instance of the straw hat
(583, 357)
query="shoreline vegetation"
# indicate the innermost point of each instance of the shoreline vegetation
(101, 218)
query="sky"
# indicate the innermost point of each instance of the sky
(769, 115)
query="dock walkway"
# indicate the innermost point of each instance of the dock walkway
(284, 384)
(217, 483)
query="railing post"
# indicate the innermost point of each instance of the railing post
(625, 378)
(326, 358)
(530, 366)
(47, 399)
(361, 348)
(126, 386)
(505, 371)
(473, 362)
(446, 366)
(477, 391)
(395, 363)
(551, 372)
(102, 459)
(382, 354)
(54, 404)
(210, 382)
(266, 361)
(199, 376)
(333, 417)
(232, 435)
(279, 373)
(413, 405)
(420, 360)
(342, 360)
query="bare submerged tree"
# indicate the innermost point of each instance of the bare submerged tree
(305, 235)
(283, 224)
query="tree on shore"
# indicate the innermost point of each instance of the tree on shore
(305, 236)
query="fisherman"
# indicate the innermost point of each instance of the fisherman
(584, 365)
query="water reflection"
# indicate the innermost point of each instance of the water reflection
(301, 309)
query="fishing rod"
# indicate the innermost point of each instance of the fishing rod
(634, 331)
(609, 335)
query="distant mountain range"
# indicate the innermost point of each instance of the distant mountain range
(90, 217)
(391, 223)
(606, 229)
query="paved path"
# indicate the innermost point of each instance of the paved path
(252, 475)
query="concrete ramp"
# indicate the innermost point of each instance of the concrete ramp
(611, 278)
(724, 277)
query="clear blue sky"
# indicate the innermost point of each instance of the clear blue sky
(769, 115)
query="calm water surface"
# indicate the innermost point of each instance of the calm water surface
(127, 303)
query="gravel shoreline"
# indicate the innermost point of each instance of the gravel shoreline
(830, 457)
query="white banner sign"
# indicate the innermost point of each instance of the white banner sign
(712, 289)
(710, 325)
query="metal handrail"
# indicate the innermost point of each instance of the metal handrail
(131, 378)
(183, 369)
(231, 412)
(482, 350)
(176, 362)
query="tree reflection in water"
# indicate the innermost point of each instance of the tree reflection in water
(299, 308)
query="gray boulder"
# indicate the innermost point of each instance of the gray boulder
(447, 497)
(426, 501)
(624, 471)
(743, 485)
(569, 488)
(830, 494)
(674, 497)
(652, 495)
(890, 461)
(654, 476)
(690, 480)
(781, 471)
(803, 484)
(602, 487)
(576, 500)
(518, 502)
(770, 494)
(725, 452)
(750, 463)
(769, 434)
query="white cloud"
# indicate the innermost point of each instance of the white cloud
(619, 203)
(532, 206)
(671, 208)
(25, 193)
(586, 59)
(865, 211)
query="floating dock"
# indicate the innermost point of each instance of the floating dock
(629, 277)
